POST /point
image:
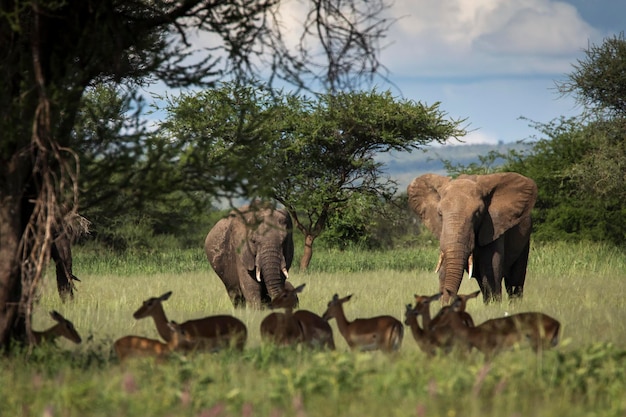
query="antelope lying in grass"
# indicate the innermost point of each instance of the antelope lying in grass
(376, 333)
(63, 328)
(211, 333)
(495, 335)
(137, 346)
(301, 326)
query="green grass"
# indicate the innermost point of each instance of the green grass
(582, 285)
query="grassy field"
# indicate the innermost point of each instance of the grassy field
(582, 285)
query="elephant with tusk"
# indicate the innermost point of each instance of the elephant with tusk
(251, 251)
(483, 225)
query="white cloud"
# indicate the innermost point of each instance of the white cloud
(443, 38)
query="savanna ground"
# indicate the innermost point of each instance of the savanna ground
(582, 285)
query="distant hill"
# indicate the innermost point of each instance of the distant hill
(404, 167)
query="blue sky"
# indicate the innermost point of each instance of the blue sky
(494, 61)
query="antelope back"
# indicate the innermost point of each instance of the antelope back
(316, 331)
(136, 346)
(281, 329)
(540, 330)
(218, 332)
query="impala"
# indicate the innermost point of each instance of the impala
(211, 333)
(421, 334)
(492, 336)
(63, 328)
(282, 328)
(311, 330)
(433, 334)
(376, 333)
(137, 346)
(459, 308)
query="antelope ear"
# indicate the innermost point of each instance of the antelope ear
(509, 202)
(424, 197)
(165, 296)
(299, 288)
(56, 316)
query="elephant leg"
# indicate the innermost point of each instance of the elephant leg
(516, 276)
(237, 298)
(490, 261)
(251, 291)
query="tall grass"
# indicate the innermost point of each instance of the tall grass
(581, 285)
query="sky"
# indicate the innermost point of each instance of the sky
(495, 62)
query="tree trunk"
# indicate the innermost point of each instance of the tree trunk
(12, 184)
(308, 252)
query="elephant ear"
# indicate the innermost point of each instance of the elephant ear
(511, 198)
(424, 196)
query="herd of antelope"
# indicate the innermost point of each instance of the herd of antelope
(452, 328)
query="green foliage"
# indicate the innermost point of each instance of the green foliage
(566, 209)
(373, 225)
(314, 156)
(330, 157)
(221, 139)
(132, 188)
(598, 81)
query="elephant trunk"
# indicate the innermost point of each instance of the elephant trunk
(451, 266)
(270, 265)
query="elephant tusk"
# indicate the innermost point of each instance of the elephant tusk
(285, 273)
(470, 266)
(439, 262)
(258, 274)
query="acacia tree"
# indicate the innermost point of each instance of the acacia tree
(317, 157)
(331, 148)
(53, 51)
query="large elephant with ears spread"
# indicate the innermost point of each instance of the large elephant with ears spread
(483, 225)
(251, 251)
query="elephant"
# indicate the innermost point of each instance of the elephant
(251, 251)
(483, 225)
